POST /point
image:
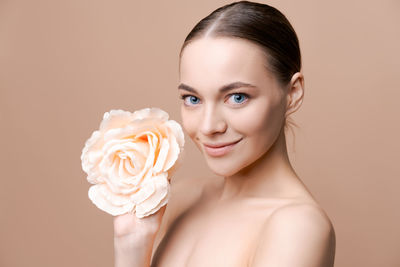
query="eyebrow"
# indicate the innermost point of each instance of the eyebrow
(223, 89)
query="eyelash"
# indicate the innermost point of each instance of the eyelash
(243, 94)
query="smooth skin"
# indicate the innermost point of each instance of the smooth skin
(260, 213)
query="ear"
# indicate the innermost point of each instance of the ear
(295, 93)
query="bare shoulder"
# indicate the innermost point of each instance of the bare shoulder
(297, 234)
(306, 216)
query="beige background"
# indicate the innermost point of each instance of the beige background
(64, 63)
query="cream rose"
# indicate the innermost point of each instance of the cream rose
(128, 160)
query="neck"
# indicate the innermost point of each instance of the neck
(269, 176)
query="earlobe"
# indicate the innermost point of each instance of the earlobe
(295, 93)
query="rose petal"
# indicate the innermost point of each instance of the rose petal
(119, 133)
(90, 165)
(90, 145)
(98, 195)
(177, 131)
(172, 153)
(162, 156)
(135, 181)
(161, 190)
(128, 162)
(146, 189)
(155, 209)
(115, 118)
(151, 113)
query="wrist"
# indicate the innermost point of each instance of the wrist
(133, 250)
(133, 240)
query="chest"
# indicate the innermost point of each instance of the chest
(224, 243)
(211, 236)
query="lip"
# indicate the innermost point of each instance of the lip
(219, 149)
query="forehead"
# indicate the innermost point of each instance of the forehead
(210, 62)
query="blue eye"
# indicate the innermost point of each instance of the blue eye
(192, 99)
(239, 98)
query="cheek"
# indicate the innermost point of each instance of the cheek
(189, 122)
(260, 123)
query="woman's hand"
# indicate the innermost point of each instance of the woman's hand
(134, 238)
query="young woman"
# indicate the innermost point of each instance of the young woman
(240, 79)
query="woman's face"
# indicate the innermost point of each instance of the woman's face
(229, 97)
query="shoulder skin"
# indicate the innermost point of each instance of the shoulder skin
(296, 235)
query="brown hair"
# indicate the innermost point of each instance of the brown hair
(259, 23)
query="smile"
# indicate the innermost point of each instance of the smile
(218, 150)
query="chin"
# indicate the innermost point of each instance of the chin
(221, 169)
(223, 173)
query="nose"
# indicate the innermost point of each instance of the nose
(212, 121)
